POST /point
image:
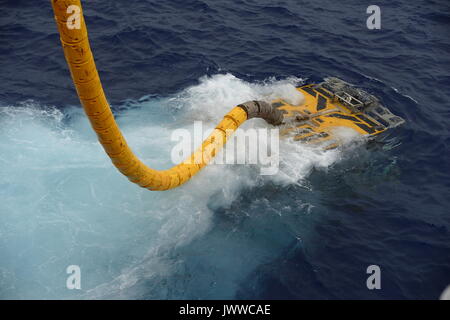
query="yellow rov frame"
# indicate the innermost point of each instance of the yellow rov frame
(332, 104)
(324, 108)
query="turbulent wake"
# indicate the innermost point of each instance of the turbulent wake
(64, 203)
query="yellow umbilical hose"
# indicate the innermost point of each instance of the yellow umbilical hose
(74, 38)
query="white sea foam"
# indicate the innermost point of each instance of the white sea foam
(63, 203)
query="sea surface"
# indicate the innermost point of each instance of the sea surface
(308, 232)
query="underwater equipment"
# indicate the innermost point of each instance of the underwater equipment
(332, 104)
(327, 105)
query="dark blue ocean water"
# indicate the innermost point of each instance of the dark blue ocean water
(386, 204)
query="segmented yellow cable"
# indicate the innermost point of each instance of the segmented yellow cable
(84, 73)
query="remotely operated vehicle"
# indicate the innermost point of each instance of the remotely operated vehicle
(334, 104)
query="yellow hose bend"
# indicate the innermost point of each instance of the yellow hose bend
(74, 38)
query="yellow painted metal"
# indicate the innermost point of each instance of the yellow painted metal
(309, 123)
(84, 73)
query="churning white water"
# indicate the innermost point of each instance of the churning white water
(63, 203)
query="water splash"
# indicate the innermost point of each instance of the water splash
(63, 203)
